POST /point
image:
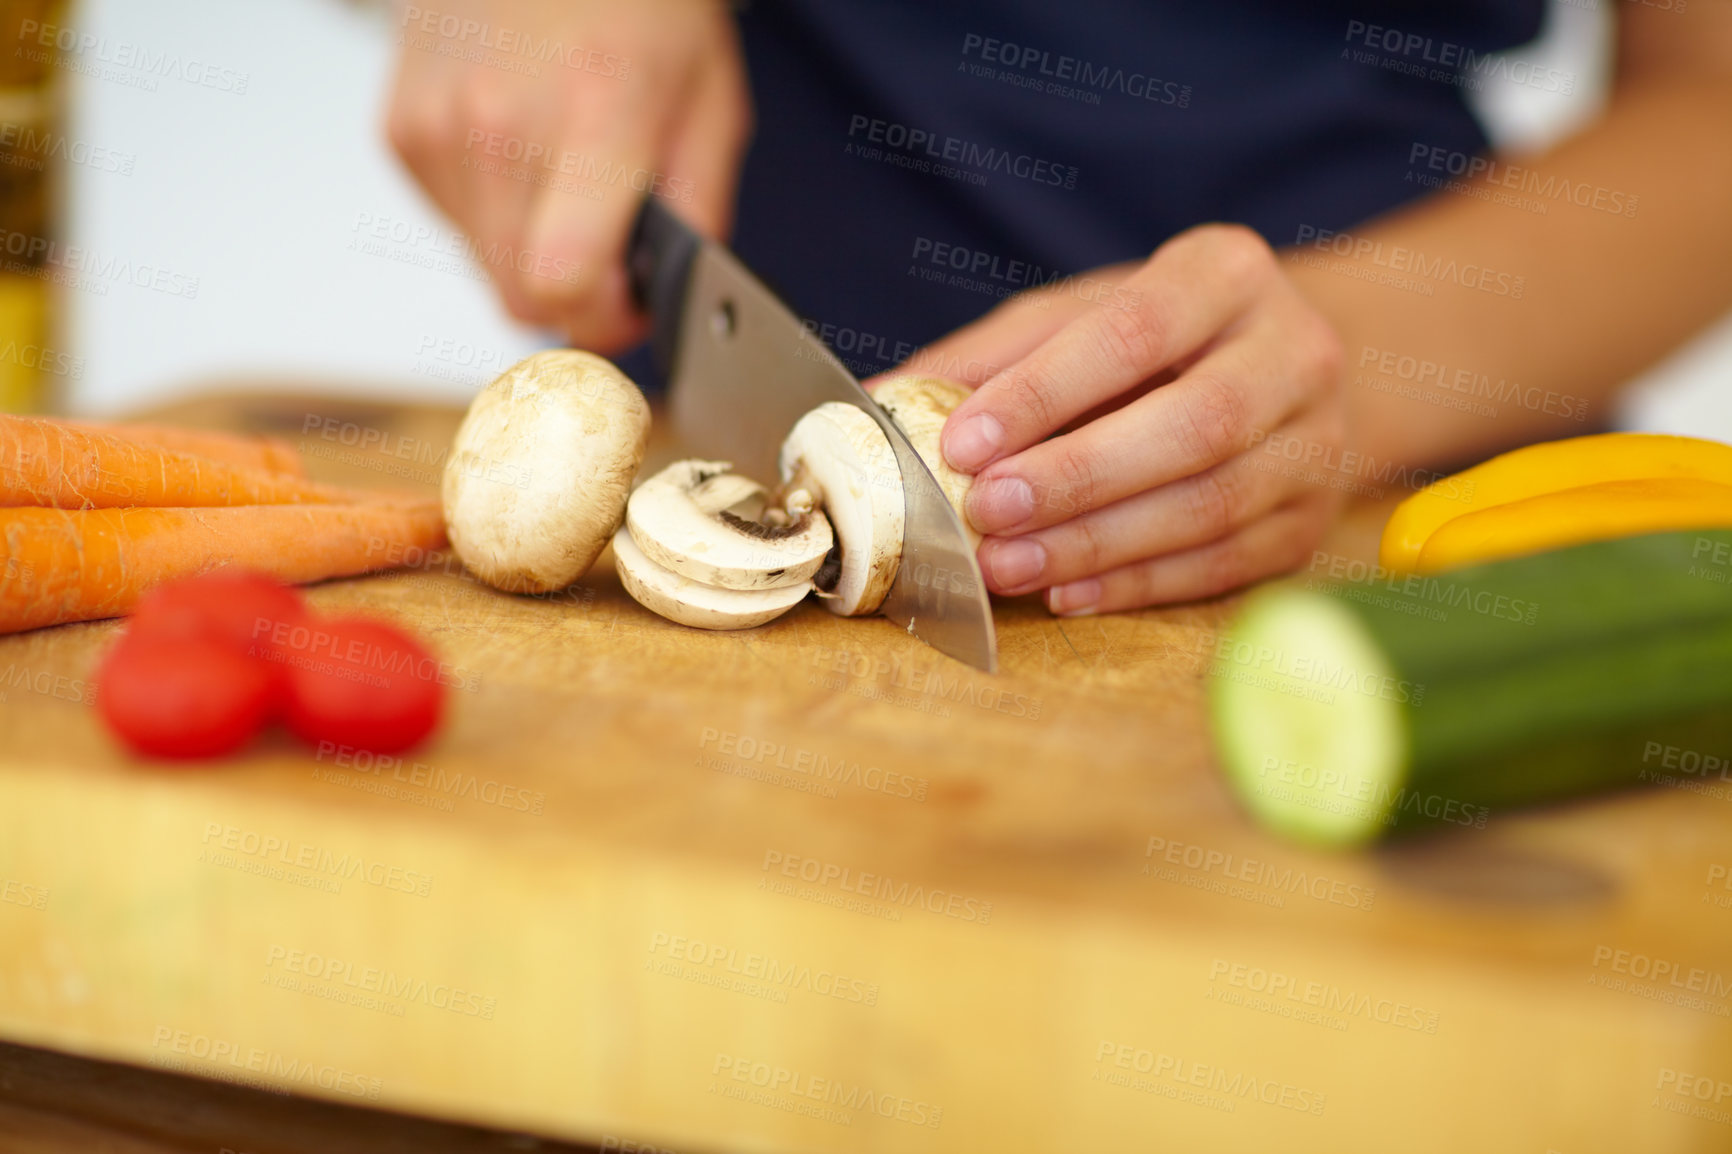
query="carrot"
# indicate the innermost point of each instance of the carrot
(45, 462)
(60, 565)
(246, 451)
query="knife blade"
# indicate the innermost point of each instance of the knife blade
(742, 369)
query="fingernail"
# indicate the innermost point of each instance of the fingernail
(1016, 562)
(1001, 503)
(1078, 599)
(973, 443)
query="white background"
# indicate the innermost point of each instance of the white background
(260, 195)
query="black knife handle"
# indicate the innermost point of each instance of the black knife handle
(659, 263)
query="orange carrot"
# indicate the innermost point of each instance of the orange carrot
(45, 462)
(244, 450)
(60, 565)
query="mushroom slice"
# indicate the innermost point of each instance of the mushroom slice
(691, 603)
(920, 406)
(700, 521)
(839, 455)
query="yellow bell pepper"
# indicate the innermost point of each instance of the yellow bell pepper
(1555, 467)
(1575, 517)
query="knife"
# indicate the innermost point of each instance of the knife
(742, 369)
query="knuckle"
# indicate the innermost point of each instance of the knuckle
(1087, 547)
(1136, 337)
(1215, 501)
(1240, 252)
(1079, 472)
(1023, 395)
(1225, 567)
(412, 131)
(1215, 419)
(1321, 349)
(490, 109)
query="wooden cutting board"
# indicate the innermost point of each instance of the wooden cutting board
(815, 887)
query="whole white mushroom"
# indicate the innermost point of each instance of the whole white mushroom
(541, 469)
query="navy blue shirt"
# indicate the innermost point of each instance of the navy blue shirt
(914, 161)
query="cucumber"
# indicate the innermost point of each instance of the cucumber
(1343, 712)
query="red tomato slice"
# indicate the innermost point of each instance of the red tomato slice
(361, 683)
(183, 697)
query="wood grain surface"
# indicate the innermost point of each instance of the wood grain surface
(816, 887)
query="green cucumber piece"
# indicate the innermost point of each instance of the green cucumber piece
(1343, 712)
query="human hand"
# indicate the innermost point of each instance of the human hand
(1155, 489)
(536, 125)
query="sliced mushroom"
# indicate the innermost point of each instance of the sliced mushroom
(701, 521)
(539, 473)
(839, 455)
(692, 603)
(920, 406)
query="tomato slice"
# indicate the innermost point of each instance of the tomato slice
(362, 683)
(183, 697)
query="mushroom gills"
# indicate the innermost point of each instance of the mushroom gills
(717, 528)
(839, 455)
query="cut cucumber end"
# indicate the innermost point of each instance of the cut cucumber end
(1308, 719)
